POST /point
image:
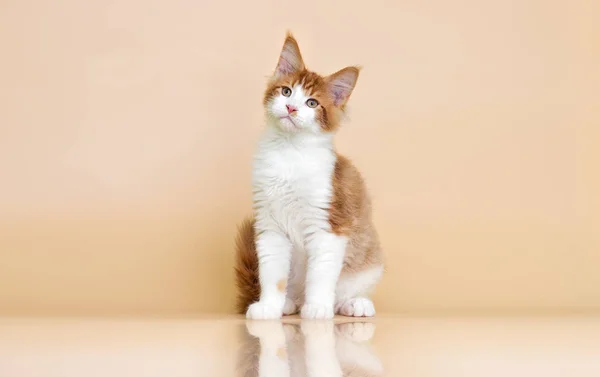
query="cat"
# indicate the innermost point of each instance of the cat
(311, 245)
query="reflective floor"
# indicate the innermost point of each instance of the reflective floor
(386, 346)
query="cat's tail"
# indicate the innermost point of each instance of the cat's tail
(246, 266)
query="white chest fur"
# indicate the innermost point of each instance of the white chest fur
(292, 183)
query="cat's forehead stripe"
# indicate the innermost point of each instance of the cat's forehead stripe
(311, 82)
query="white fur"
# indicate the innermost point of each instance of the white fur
(359, 283)
(352, 292)
(357, 307)
(292, 183)
(302, 121)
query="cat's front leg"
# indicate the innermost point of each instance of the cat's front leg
(325, 258)
(274, 253)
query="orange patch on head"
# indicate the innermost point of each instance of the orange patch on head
(282, 285)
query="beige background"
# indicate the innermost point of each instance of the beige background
(127, 128)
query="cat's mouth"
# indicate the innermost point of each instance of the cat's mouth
(290, 120)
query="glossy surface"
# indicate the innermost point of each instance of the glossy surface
(388, 346)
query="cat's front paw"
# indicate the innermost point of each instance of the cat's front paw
(317, 311)
(290, 307)
(260, 310)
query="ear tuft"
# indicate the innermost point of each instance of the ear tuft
(290, 60)
(341, 84)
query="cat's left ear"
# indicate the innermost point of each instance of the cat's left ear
(341, 84)
(290, 60)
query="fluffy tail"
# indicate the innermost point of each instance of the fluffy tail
(246, 266)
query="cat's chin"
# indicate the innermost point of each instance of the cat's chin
(287, 124)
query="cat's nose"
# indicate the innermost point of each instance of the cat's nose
(291, 109)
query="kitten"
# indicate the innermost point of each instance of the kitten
(311, 243)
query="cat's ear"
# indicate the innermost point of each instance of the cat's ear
(290, 60)
(341, 84)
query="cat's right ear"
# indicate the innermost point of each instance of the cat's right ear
(290, 60)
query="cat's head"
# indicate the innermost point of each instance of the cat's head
(298, 100)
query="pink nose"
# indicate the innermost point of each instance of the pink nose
(291, 109)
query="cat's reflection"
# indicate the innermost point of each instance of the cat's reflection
(312, 348)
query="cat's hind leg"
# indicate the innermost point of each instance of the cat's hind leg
(353, 290)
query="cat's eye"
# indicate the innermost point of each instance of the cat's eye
(286, 91)
(312, 103)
